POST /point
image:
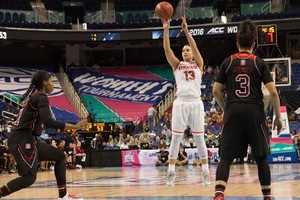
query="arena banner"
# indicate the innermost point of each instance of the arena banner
(102, 85)
(193, 155)
(282, 147)
(148, 157)
(282, 150)
(15, 81)
(130, 158)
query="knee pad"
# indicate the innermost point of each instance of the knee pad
(201, 146)
(174, 148)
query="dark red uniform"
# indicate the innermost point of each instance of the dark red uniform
(26, 149)
(244, 117)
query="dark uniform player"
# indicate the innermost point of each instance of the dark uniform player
(244, 119)
(22, 140)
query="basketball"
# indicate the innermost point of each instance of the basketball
(164, 10)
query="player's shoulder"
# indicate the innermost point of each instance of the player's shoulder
(227, 60)
(259, 61)
(39, 96)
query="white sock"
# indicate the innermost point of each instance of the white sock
(205, 167)
(171, 168)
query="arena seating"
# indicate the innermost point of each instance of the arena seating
(15, 5)
(60, 104)
(266, 16)
(138, 14)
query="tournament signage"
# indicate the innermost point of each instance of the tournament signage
(120, 88)
(267, 36)
(282, 150)
(203, 31)
(282, 147)
(17, 80)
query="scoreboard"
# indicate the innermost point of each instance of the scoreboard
(100, 126)
(95, 127)
(267, 34)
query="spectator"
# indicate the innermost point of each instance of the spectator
(151, 114)
(213, 109)
(80, 155)
(124, 145)
(297, 144)
(163, 157)
(182, 158)
(96, 142)
(144, 143)
(70, 156)
(116, 131)
(166, 131)
(90, 110)
(156, 142)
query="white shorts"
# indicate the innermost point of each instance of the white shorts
(188, 112)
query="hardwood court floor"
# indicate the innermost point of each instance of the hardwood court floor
(126, 183)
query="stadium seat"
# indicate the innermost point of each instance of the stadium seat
(145, 17)
(138, 17)
(119, 18)
(7, 16)
(15, 17)
(1, 16)
(130, 18)
(22, 17)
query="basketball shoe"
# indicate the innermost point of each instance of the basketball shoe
(170, 179)
(206, 178)
(69, 197)
(219, 197)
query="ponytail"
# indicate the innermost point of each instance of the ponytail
(28, 93)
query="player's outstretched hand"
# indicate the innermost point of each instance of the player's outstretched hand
(166, 23)
(82, 124)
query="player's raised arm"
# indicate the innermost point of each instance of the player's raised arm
(196, 54)
(171, 58)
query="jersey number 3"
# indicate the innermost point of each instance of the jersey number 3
(244, 81)
(189, 75)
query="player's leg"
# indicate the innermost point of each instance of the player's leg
(233, 144)
(178, 127)
(264, 175)
(222, 175)
(48, 152)
(259, 141)
(196, 122)
(26, 156)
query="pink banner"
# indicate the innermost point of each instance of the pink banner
(130, 158)
(282, 140)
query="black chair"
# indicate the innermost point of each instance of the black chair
(145, 17)
(1, 16)
(119, 18)
(22, 17)
(15, 17)
(130, 18)
(7, 16)
(138, 17)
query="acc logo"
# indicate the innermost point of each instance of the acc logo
(215, 30)
(3, 35)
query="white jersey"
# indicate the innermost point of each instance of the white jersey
(188, 79)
